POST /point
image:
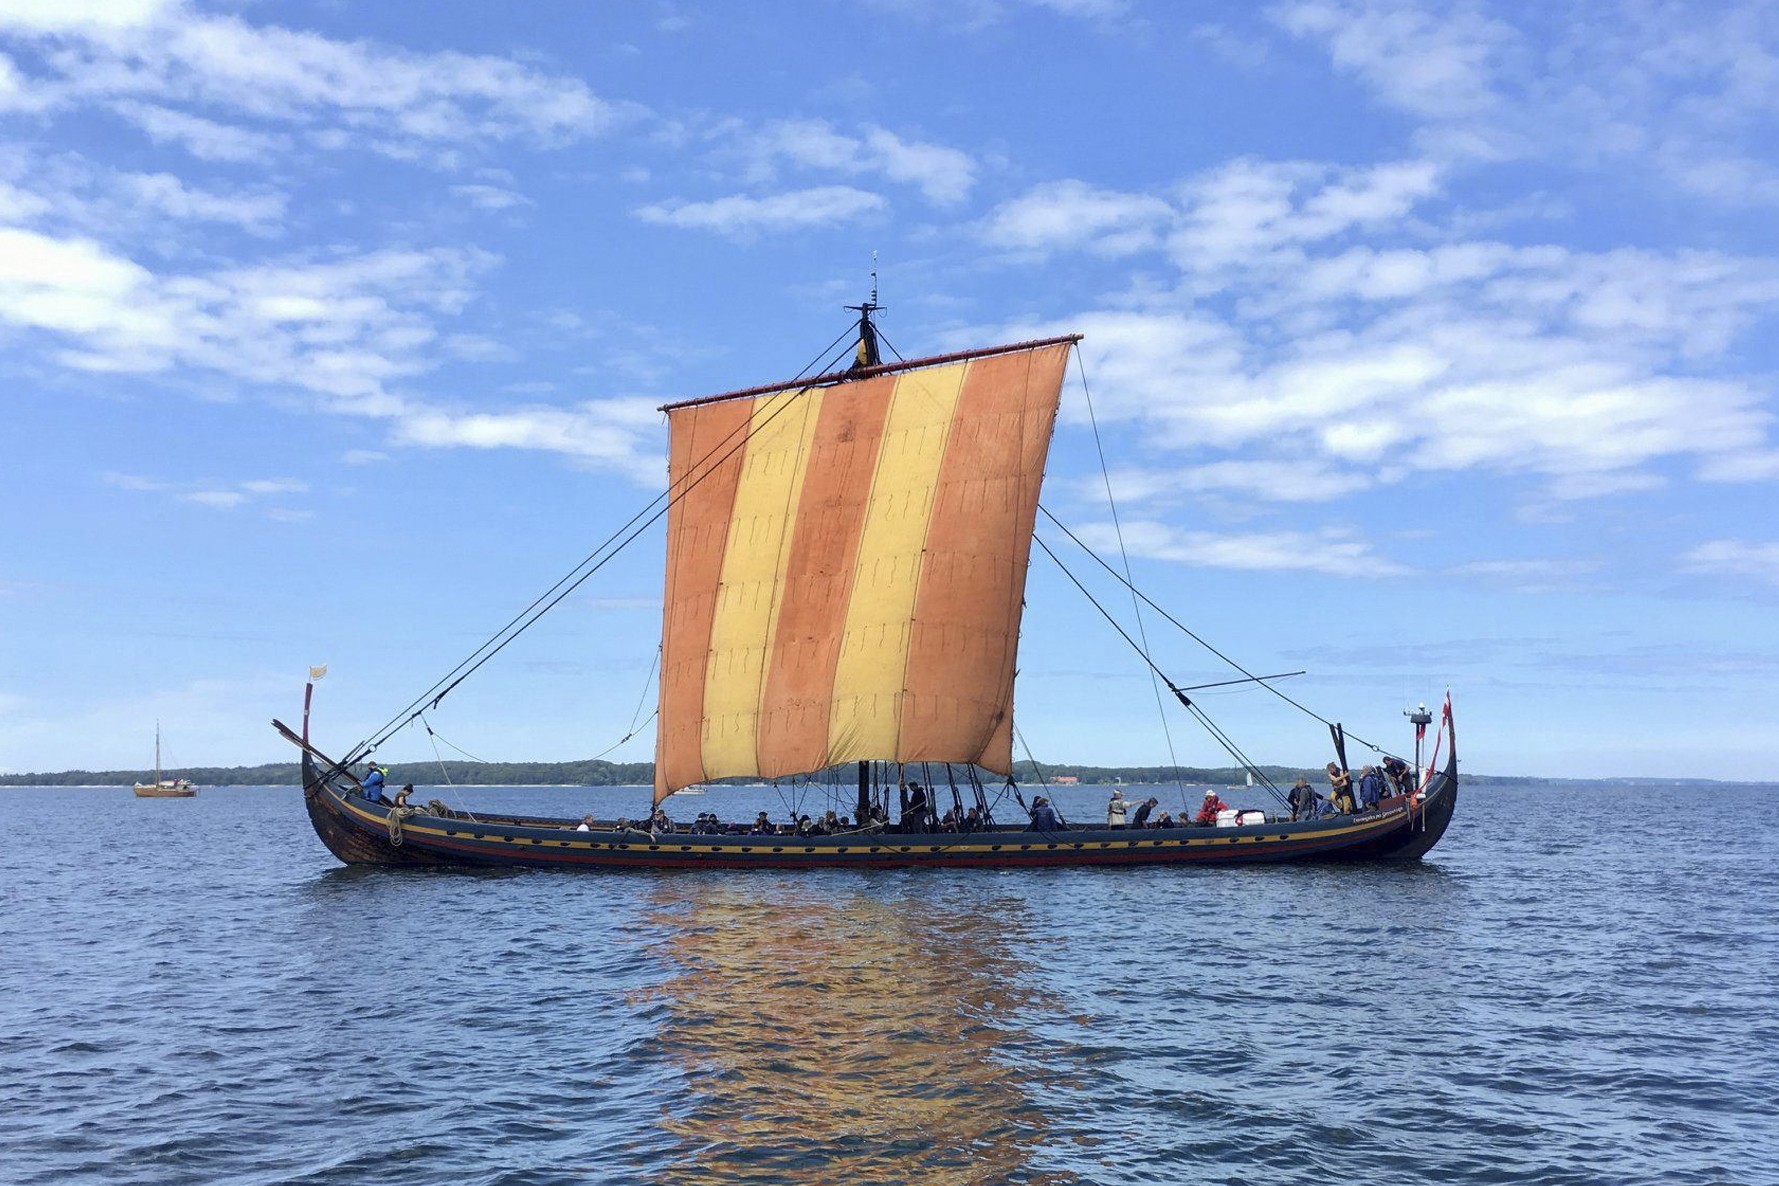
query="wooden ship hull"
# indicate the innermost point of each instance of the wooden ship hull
(360, 832)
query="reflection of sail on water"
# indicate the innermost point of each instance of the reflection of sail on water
(874, 1040)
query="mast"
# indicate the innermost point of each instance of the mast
(157, 753)
(867, 355)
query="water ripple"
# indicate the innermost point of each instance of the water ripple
(193, 991)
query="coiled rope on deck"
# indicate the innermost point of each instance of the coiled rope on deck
(396, 816)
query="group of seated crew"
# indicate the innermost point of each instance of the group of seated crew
(1118, 813)
(918, 816)
(969, 821)
(1348, 796)
(830, 824)
(709, 824)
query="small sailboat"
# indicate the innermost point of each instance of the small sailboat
(164, 788)
(845, 576)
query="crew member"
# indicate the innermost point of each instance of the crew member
(1302, 800)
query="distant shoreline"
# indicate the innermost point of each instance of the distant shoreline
(594, 774)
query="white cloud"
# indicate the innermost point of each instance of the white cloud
(1251, 209)
(205, 139)
(1368, 362)
(944, 175)
(222, 499)
(1435, 63)
(1333, 551)
(1073, 214)
(1526, 576)
(18, 205)
(1691, 89)
(152, 63)
(345, 331)
(1278, 479)
(340, 328)
(81, 16)
(275, 486)
(218, 495)
(490, 197)
(259, 211)
(977, 14)
(1737, 558)
(1748, 465)
(1439, 386)
(478, 348)
(740, 215)
(612, 433)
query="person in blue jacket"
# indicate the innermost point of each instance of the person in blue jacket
(1371, 787)
(372, 785)
(1044, 817)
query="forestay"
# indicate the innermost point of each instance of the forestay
(846, 568)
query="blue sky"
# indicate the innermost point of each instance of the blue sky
(1432, 346)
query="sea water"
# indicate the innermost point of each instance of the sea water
(1579, 985)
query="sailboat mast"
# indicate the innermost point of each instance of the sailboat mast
(157, 753)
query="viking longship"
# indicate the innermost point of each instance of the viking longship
(846, 562)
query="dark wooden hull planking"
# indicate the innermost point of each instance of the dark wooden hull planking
(359, 832)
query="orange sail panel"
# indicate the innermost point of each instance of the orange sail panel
(846, 569)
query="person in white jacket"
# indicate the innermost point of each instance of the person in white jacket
(1115, 810)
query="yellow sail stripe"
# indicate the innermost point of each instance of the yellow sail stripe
(866, 715)
(753, 565)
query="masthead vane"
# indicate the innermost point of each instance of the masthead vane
(868, 353)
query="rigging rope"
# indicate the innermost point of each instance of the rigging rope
(883, 341)
(1135, 605)
(571, 581)
(443, 771)
(620, 741)
(1039, 771)
(1217, 734)
(644, 698)
(1261, 680)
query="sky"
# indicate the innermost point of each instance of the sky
(1431, 346)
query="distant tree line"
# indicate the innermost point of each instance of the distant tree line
(597, 773)
(589, 773)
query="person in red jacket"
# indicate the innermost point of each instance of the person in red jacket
(1207, 814)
